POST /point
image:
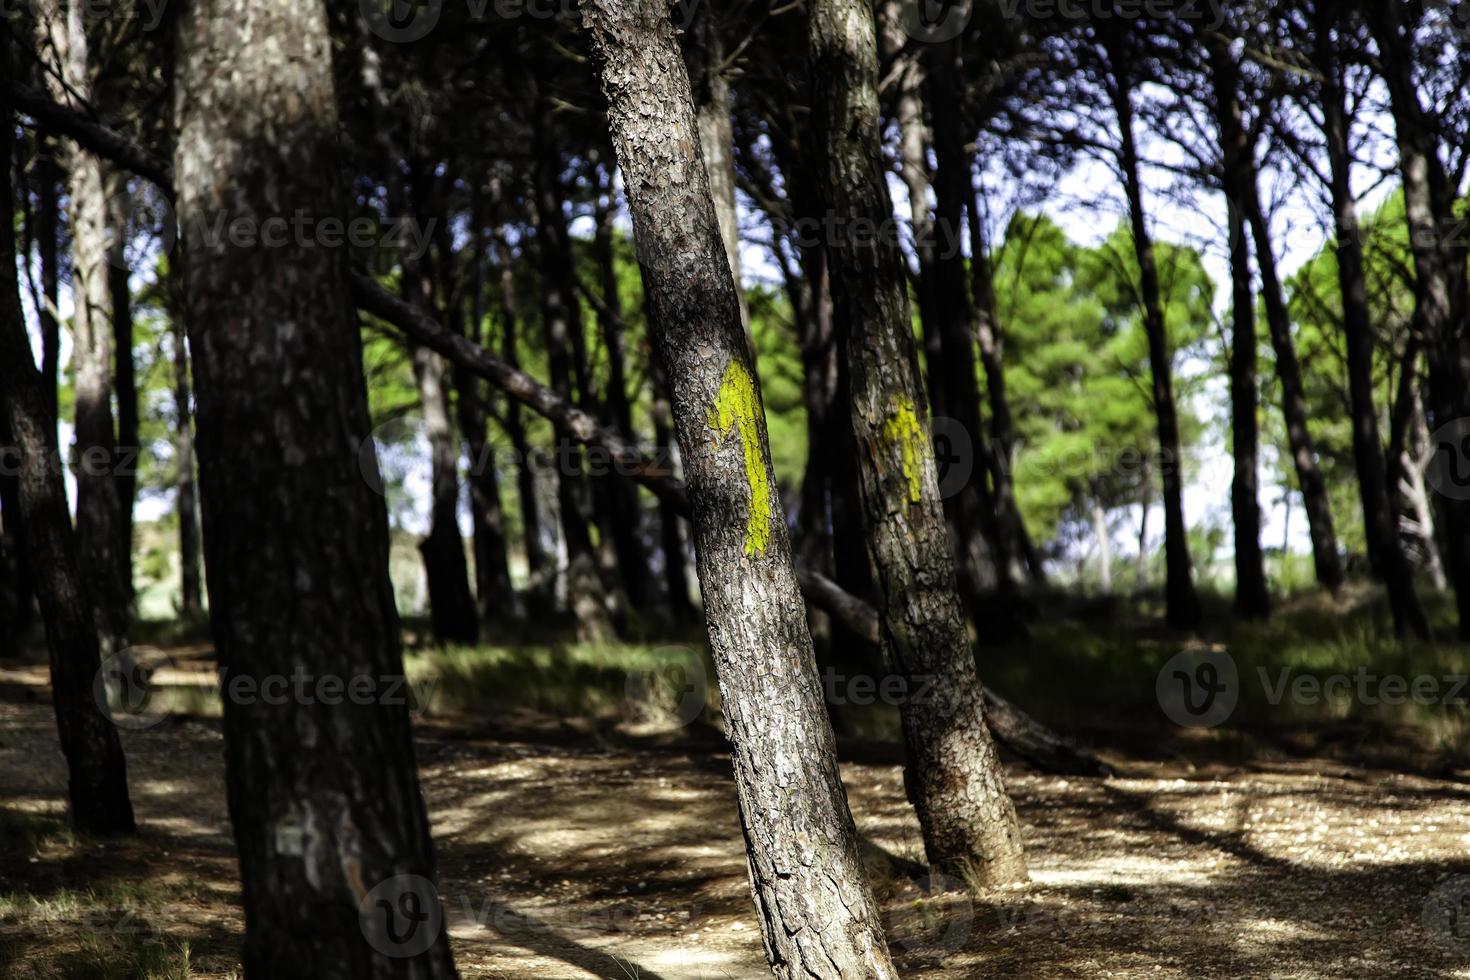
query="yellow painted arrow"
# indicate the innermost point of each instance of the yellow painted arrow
(737, 407)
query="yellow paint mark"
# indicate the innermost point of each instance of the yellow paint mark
(736, 406)
(903, 430)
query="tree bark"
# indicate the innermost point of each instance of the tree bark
(1252, 598)
(817, 914)
(1380, 518)
(97, 787)
(1183, 608)
(323, 792)
(953, 776)
(119, 204)
(99, 512)
(186, 494)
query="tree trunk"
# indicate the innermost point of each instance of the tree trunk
(541, 574)
(186, 494)
(1380, 518)
(1183, 603)
(119, 204)
(561, 321)
(1309, 479)
(627, 524)
(1439, 250)
(493, 590)
(99, 511)
(817, 914)
(671, 537)
(975, 506)
(329, 822)
(1252, 598)
(1101, 532)
(97, 786)
(48, 212)
(953, 777)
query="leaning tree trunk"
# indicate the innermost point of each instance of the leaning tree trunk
(1252, 598)
(1386, 551)
(1326, 559)
(817, 915)
(99, 514)
(953, 777)
(329, 822)
(97, 785)
(119, 204)
(1182, 600)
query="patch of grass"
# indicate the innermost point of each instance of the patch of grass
(23, 834)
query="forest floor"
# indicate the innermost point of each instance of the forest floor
(579, 846)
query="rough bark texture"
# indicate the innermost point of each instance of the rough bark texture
(1325, 557)
(97, 788)
(63, 42)
(323, 796)
(817, 915)
(1252, 599)
(125, 382)
(953, 776)
(1182, 600)
(1380, 519)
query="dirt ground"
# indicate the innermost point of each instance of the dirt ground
(570, 851)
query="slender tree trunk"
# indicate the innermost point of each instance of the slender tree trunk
(1303, 448)
(1182, 601)
(1104, 546)
(539, 568)
(493, 590)
(1002, 428)
(119, 204)
(671, 537)
(817, 914)
(627, 525)
(976, 507)
(186, 494)
(97, 786)
(1380, 518)
(953, 777)
(561, 320)
(1252, 598)
(48, 212)
(329, 822)
(99, 511)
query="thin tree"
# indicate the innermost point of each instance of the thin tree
(954, 777)
(817, 914)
